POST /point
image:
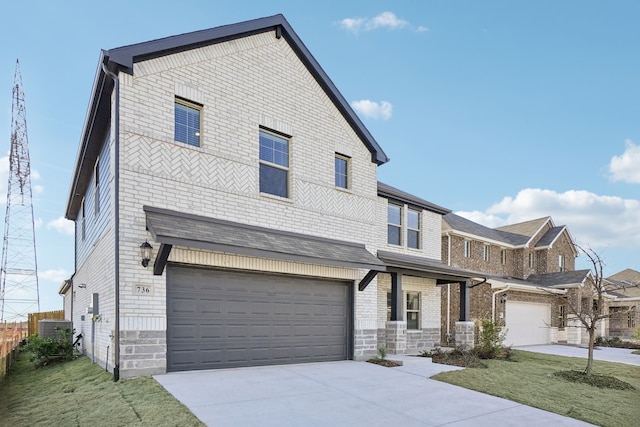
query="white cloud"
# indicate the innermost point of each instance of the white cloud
(373, 110)
(351, 24)
(56, 276)
(37, 223)
(62, 225)
(35, 175)
(593, 220)
(626, 167)
(37, 189)
(483, 218)
(387, 20)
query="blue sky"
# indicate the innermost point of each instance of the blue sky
(501, 111)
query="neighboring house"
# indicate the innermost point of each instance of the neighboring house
(623, 289)
(229, 157)
(527, 266)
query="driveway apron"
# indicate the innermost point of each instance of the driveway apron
(345, 393)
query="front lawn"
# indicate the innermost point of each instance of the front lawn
(79, 393)
(529, 379)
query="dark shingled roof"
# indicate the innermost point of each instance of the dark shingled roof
(429, 267)
(458, 223)
(392, 193)
(187, 230)
(561, 279)
(550, 236)
(123, 58)
(526, 228)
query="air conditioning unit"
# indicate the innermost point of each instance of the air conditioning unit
(47, 327)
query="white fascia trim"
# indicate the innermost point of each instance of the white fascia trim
(524, 288)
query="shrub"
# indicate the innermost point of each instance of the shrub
(490, 342)
(45, 351)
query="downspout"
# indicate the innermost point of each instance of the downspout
(493, 302)
(116, 225)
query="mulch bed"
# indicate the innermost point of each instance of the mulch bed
(385, 362)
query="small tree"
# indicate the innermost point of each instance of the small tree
(590, 311)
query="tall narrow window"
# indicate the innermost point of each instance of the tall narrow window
(83, 229)
(467, 248)
(503, 256)
(96, 188)
(342, 171)
(187, 122)
(486, 250)
(562, 316)
(413, 310)
(531, 262)
(560, 262)
(394, 224)
(274, 164)
(413, 229)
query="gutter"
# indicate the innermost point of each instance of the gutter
(493, 302)
(116, 225)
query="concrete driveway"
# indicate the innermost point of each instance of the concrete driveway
(346, 393)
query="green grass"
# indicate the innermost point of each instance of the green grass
(79, 393)
(530, 379)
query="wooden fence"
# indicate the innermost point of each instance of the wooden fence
(35, 317)
(10, 336)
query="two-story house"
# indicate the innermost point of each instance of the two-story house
(228, 214)
(527, 265)
(623, 304)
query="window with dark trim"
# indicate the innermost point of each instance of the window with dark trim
(342, 171)
(83, 228)
(531, 260)
(394, 224)
(187, 122)
(413, 229)
(274, 164)
(467, 248)
(562, 316)
(96, 188)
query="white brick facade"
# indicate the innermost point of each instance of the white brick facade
(243, 85)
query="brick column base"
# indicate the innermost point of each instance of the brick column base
(396, 337)
(465, 335)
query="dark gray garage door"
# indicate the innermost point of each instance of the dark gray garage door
(223, 319)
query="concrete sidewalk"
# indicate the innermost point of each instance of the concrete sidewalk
(619, 355)
(345, 393)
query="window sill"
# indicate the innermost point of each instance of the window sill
(278, 198)
(414, 331)
(344, 190)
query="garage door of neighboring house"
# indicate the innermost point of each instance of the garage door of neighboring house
(226, 319)
(527, 323)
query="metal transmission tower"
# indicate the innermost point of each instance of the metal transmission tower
(19, 294)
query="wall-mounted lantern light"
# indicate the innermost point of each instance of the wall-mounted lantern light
(503, 298)
(145, 253)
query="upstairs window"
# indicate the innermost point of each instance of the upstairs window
(342, 171)
(96, 188)
(274, 164)
(413, 229)
(467, 248)
(560, 262)
(187, 122)
(486, 251)
(394, 224)
(531, 260)
(503, 256)
(83, 228)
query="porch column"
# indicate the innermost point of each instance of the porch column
(396, 328)
(396, 296)
(465, 328)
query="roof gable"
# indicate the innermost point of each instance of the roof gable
(123, 58)
(393, 193)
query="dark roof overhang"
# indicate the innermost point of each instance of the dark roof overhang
(171, 228)
(426, 267)
(123, 58)
(394, 194)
